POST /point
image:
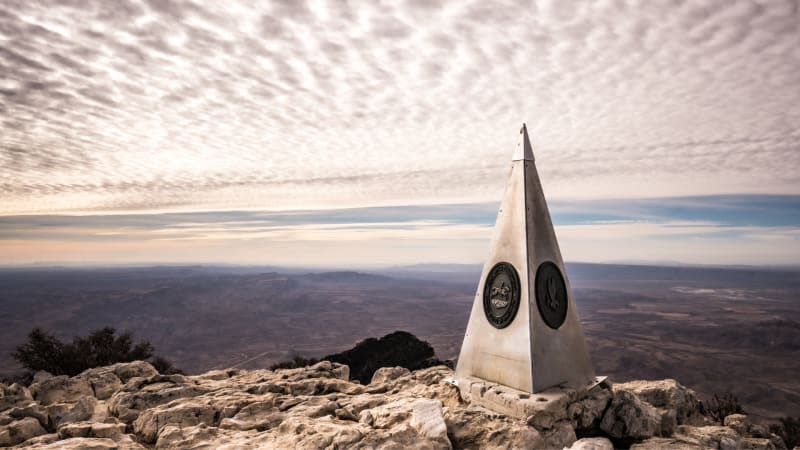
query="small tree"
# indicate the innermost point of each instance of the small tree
(103, 347)
(41, 352)
(294, 363)
(723, 405)
(789, 430)
(164, 366)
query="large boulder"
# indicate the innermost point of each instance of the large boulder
(406, 421)
(103, 380)
(718, 437)
(140, 394)
(61, 389)
(477, 428)
(32, 409)
(20, 431)
(427, 420)
(63, 413)
(134, 369)
(260, 415)
(737, 422)
(14, 395)
(387, 374)
(182, 413)
(586, 413)
(560, 435)
(667, 394)
(628, 417)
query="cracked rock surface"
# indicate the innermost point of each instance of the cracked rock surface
(132, 406)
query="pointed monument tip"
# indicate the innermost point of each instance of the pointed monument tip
(524, 149)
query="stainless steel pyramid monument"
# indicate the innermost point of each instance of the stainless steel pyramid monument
(523, 331)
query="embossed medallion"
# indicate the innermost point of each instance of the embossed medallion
(551, 295)
(501, 295)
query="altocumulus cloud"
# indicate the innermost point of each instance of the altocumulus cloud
(295, 131)
(162, 106)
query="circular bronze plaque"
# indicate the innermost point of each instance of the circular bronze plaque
(501, 295)
(551, 295)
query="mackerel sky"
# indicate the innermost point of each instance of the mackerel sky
(350, 133)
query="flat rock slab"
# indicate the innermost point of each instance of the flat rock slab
(512, 402)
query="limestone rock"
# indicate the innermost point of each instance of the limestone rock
(20, 431)
(64, 413)
(719, 437)
(104, 381)
(172, 436)
(75, 430)
(738, 422)
(61, 389)
(426, 418)
(32, 409)
(598, 443)
(142, 393)
(385, 374)
(629, 417)
(323, 369)
(181, 413)
(476, 428)
(754, 436)
(340, 437)
(14, 395)
(327, 433)
(39, 440)
(107, 430)
(40, 376)
(758, 431)
(667, 394)
(260, 415)
(141, 369)
(317, 407)
(671, 443)
(79, 444)
(587, 413)
(559, 436)
(669, 422)
(215, 375)
(752, 443)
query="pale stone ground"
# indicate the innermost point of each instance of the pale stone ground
(131, 406)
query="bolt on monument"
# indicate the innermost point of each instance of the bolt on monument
(523, 333)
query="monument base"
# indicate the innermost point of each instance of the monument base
(540, 408)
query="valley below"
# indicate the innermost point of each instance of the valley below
(714, 330)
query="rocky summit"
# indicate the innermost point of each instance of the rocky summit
(132, 406)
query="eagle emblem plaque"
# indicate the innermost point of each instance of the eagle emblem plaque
(551, 294)
(501, 295)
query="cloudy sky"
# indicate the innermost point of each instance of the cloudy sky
(350, 133)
